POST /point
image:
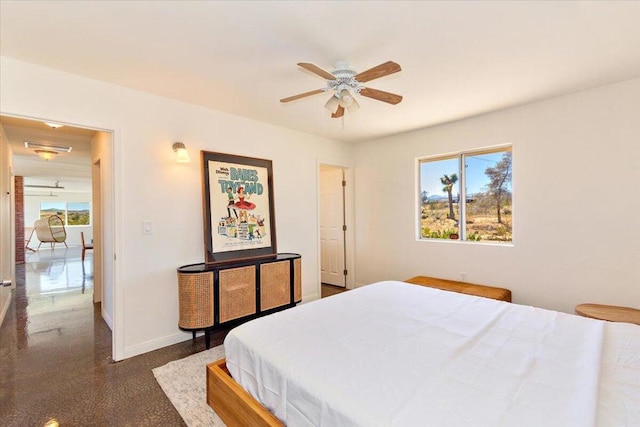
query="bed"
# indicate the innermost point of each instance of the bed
(396, 354)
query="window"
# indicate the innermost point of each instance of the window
(54, 208)
(78, 213)
(471, 203)
(72, 213)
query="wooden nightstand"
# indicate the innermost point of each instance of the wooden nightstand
(610, 313)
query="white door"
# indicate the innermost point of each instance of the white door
(332, 252)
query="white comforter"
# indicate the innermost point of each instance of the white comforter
(394, 354)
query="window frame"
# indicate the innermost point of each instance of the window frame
(462, 181)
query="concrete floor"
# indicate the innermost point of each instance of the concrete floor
(55, 354)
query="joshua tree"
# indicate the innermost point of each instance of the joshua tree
(448, 182)
(500, 177)
(424, 197)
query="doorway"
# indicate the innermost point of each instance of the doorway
(333, 226)
(78, 184)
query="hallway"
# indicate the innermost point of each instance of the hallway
(55, 354)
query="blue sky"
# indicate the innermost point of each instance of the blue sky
(77, 206)
(71, 206)
(430, 173)
(52, 205)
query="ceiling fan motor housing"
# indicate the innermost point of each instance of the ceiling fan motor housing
(344, 79)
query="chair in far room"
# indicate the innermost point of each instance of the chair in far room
(85, 246)
(50, 230)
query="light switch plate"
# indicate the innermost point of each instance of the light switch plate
(147, 227)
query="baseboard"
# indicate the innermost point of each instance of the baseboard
(310, 298)
(5, 300)
(155, 344)
(176, 338)
(107, 319)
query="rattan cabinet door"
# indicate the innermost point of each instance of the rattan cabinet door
(195, 298)
(237, 292)
(275, 285)
(297, 280)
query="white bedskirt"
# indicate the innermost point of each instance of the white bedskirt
(395, 354)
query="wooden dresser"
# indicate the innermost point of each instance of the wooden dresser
(214, 295)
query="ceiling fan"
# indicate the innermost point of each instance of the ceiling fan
(346, 83)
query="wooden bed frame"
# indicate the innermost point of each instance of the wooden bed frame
(500, 294)
(235, 406)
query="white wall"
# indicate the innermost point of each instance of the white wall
(6, 189)
(103, 181)
(149, 185)
(576, 173)
(7, 241)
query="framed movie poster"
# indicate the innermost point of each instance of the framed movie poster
(239, 219)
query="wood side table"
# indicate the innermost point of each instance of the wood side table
(610, 313)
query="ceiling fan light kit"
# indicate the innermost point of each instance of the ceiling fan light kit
(346, 83)
(346, 99)
(332, 103)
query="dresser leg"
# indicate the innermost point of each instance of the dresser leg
(207, 338)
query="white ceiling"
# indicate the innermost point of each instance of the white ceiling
(71, 170)
(458, 58)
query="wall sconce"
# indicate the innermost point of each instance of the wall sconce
(182, 155)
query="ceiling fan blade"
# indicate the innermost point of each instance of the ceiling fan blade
(339, 112)
(381, 70)
(317, 70)
(389, 98)
(301, 95)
